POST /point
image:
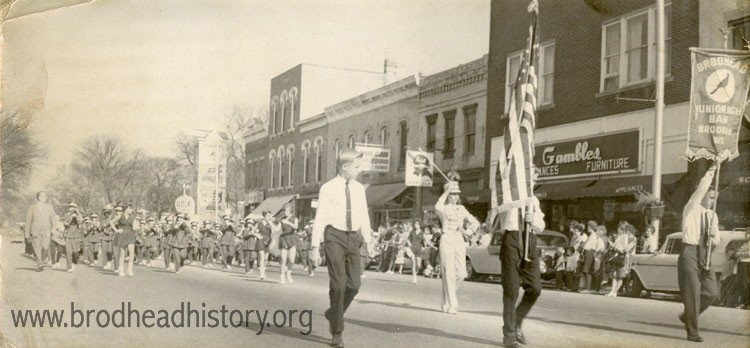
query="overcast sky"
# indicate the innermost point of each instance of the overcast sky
(147, 69)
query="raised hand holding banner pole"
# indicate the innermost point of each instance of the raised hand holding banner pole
(711, 223)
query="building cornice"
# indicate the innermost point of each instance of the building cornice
(386, 95)
(455, 78)
(312, 123)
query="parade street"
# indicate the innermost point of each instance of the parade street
(389, 311)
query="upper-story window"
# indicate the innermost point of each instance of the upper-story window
(351, 141)
(431, 132)
(629, 48)
(290, 165)
(450, 133)
(318, 159)
(367, 137)
(383, 136)
(404, 130)
(305, 161)
(545, 75)
(272, 165)
(470, 128)
(336, 151)
(740, 38)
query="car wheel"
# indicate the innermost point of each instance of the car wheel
(633, 286)
(471, 274)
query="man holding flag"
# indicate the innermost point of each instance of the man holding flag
(520, 215)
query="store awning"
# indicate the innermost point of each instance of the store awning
(377, 195)
(605, 187)
(272, 204)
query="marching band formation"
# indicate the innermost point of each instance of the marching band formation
(121, 236)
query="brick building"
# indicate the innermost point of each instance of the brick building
(596, 77)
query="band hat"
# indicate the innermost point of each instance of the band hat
(592, 224)
(206, 222)
(72, 205)
(150, 219)
(118, 208)
(94, 216)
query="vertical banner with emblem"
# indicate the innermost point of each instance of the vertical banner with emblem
(418, 168)
(717, 103)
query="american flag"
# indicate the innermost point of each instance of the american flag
(517, 152)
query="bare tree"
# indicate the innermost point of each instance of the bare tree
(236, 124)
(165, 179)
(20, 153)
(185, 149)
(110, 165)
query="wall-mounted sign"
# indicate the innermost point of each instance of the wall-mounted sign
(185, 204)
(255, 196)
(375, 158)
(599, 155)
(419, 168)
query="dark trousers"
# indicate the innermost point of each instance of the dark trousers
(571, 280)
(227, 254)
(559, 280)
(342, 253)
(518, 274)
(167, 256)
(697, 286)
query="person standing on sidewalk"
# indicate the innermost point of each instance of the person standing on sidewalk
(342, 222)
(700, 226)
(40, 220)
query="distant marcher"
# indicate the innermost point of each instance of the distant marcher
(40, 220)
(288, 243)
(623, 248)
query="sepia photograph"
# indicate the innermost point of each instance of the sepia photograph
(375, 173)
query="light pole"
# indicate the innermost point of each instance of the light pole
(659, 108)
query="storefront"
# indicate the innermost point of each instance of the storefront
(600, 178)
(272, 204)
(253, 199)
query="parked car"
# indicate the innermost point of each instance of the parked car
(483, 260)
(658, 272)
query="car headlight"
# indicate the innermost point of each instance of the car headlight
(542, 267)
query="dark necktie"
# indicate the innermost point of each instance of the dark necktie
(348, 208)
(703, 242)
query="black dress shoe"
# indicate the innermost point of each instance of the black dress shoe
(337, 341)
(695, 339)
(520, 337)
(327, 314)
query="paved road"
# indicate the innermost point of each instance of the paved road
(388, 312)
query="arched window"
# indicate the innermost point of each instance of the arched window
(283, 100)
(367, 137)
(383, 136)
(351, 141)
(292, 105)
(318, 159)
(272, 164)
(281, 154)
(290, 164)
(336, 151)
(305, 163)
(272, 120)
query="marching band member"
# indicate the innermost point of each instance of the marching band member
(227, 242)
(85, 232)
(182, 234)
(264, 229)
(151, 242)
(288, 243)
(73, 236)
(206, 243)
(107, 235)
(95, 236)
(126, 241)
(166, 242)
(250, 239)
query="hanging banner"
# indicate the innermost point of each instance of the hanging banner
(718, 94)
(375, 158)
(418, 168)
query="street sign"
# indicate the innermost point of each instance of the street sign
(185, 204)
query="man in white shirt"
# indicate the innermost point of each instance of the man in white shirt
(698, 284)
(516, 272)
(589, 252)
(342, 223)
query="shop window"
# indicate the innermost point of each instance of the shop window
(740, 38)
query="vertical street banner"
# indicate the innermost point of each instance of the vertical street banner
(517, 150)
(717, 103)
(418, 169)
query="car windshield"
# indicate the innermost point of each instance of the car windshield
(547, 240)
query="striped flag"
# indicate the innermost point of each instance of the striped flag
(517, 152)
